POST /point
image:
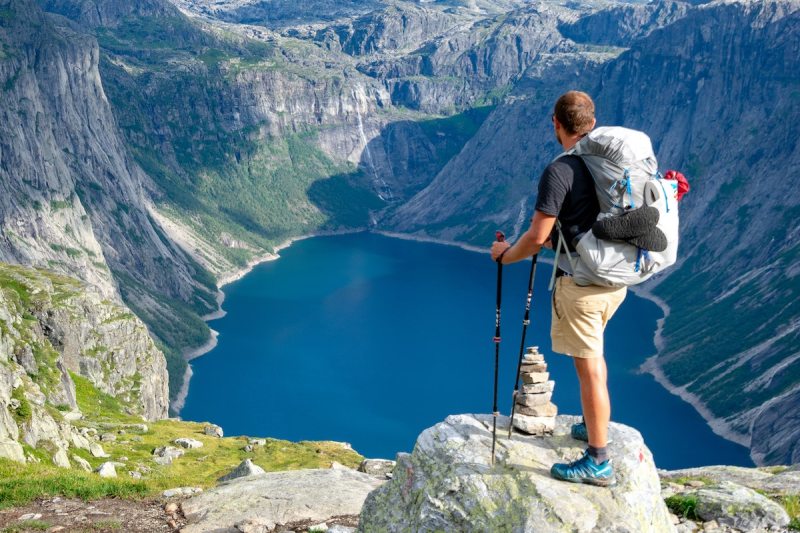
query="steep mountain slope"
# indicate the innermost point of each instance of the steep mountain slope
(733, 338)
(622, 25)
(52, 327)
(73, 200)
(718, 92)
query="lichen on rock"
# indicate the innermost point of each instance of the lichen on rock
(449, 483)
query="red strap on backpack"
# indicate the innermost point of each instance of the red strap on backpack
(683, 183)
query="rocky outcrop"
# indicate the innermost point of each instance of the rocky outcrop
(475, 57)
(278, 13)
(397, 28)
(785, 481)
(734, 498)
(279, 498)
(246, 468)
(449, 484)
(50, 327)
(622, 25)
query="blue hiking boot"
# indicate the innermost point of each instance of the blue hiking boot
(579, 431)
(585, 470)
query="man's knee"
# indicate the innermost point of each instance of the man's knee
(591, 370)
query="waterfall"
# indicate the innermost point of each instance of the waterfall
(384, 192)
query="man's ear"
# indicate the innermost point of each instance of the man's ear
(594, 123)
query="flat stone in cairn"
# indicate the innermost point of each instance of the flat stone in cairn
(534, 413)
(535, 425)
(532, 400)
(535, 388)
(533, 367)
(548, 409)
(534, 377)
(532, 355)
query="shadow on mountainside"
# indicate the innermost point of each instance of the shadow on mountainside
(402, 160)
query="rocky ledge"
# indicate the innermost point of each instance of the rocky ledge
(449, 484)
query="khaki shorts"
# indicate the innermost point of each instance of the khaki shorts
(580, 315)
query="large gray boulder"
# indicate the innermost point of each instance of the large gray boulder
(761, 479)
(449, 484)
(738, 507)
(279, 498)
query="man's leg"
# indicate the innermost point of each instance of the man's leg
(593, 377)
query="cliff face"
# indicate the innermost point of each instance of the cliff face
(623, 25)
(73, 200)
(52, 326)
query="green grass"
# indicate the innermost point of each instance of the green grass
(684, 480)
(20, 484)
(56, 205)
(22, 413)
(684, 505)
(97, 405)
(27, 525)
(792, 505)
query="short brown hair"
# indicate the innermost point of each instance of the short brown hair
(574, 110)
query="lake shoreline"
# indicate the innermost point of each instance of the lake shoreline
(224, 279)
(650, 366)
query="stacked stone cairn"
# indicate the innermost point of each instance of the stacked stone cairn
(534, 413)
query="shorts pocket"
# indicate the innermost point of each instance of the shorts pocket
(556, 312)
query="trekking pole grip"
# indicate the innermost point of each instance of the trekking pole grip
(500, 237)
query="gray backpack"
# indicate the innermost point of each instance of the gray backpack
(625, 173)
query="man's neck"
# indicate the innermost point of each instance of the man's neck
(569, 141)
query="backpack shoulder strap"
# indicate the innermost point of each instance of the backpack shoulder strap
(561, 242)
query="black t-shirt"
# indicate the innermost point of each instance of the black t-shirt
(566, 190)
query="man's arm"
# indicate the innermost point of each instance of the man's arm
(529, 243)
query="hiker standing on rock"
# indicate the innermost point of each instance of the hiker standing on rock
(579, 313)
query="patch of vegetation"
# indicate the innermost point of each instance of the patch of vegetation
(27, 525)
(792, 505)
(7, 15)
(11, 81)
(23, 483)
(47, 375)
(684, 505)
(684, 480)
(118, 317)
(97, 405)
(176, 369)
(72, 252)
(23, 413)
(56, 205)
(20, 484)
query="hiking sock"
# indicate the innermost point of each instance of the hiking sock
(598, 455)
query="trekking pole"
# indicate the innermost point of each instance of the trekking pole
(525, 323)
(500, 238)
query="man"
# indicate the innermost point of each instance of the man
(579, 313)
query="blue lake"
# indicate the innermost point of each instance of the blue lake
(369, 340)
